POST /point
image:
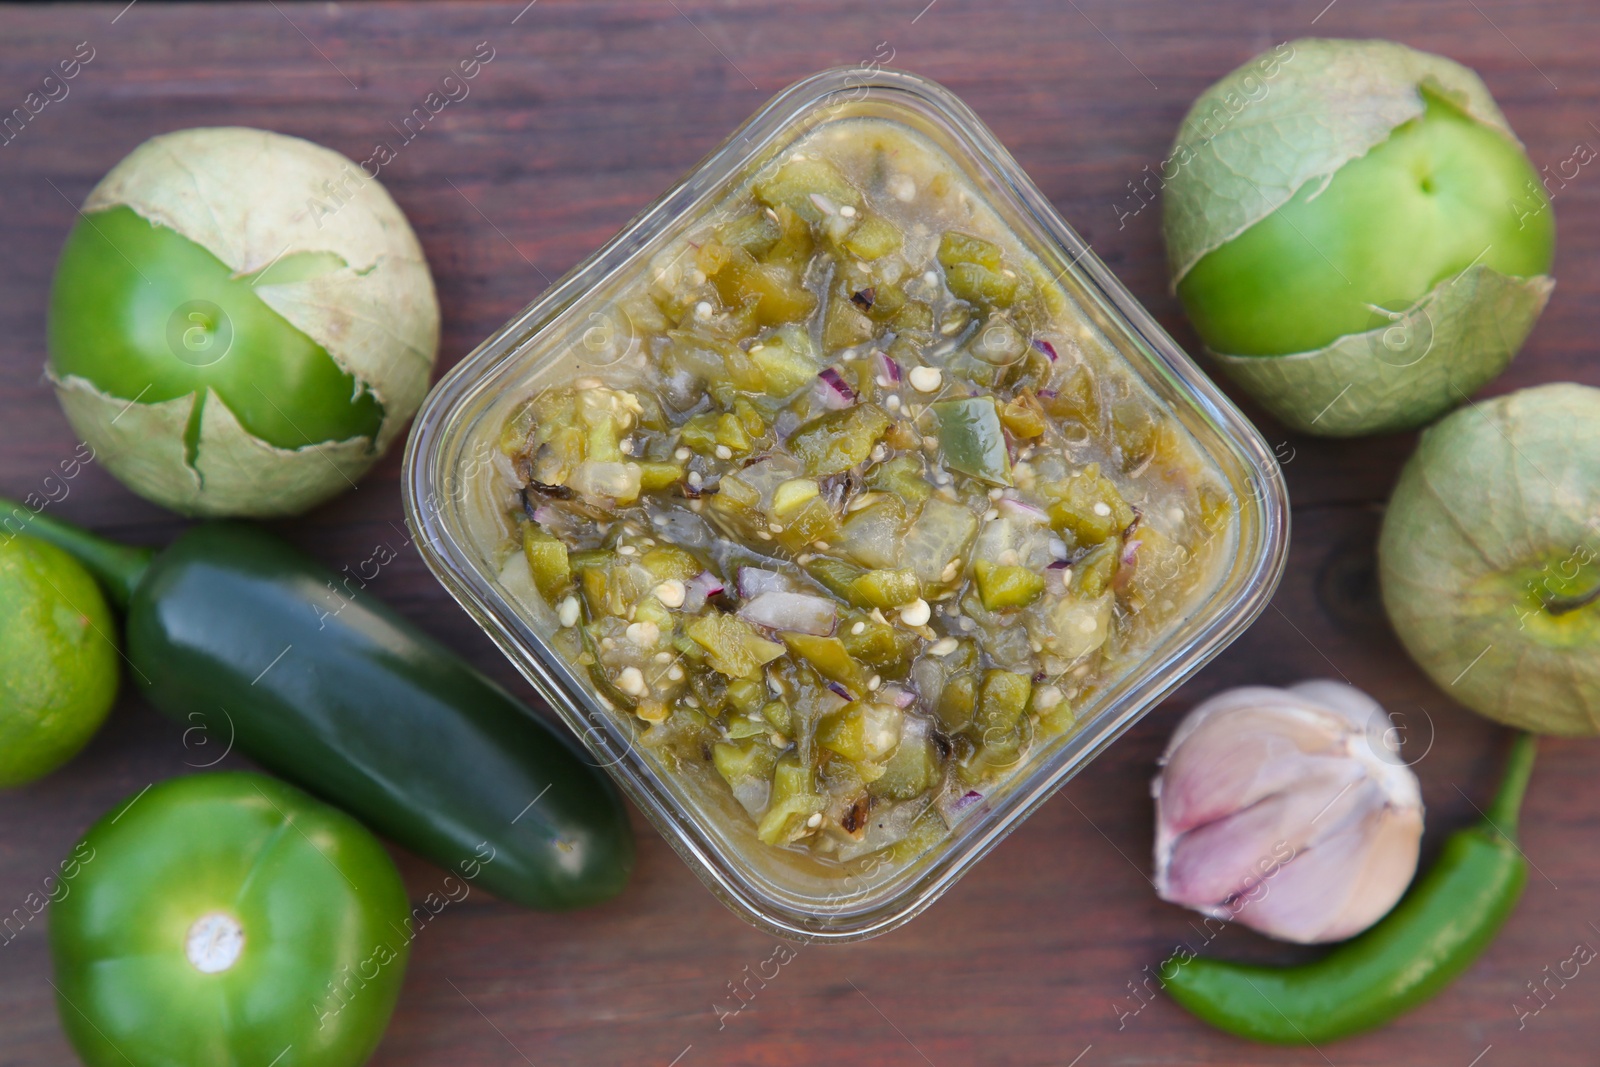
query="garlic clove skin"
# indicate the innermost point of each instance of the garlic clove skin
(1287, 810)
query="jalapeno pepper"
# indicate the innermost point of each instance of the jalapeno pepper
(233, 630)
(1436, 931)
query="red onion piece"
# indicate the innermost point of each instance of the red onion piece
(1130, 552)
(900, 698)
(1058, 565)
(839, 690)
(699, 589)
(1046, 394)
(1047, 348)
(796, 612)
(886, 367)
(833, 391)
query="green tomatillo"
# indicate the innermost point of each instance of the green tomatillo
(1489, 558)
(229, 918)
(241, 322)
(1356, 234)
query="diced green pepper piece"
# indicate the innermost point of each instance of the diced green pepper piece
(593, 568)
(835, 442)
(547, 559)
(814, 521)
(792, 495)
(1089, 507)
(670, 561)
(860, 731)
(1002, 700)
(751, 759)
(654, 476)
(1004, 587)
(830, 658)
(735, 647)
(972, 439)
(699, 434)
(886, 588)
(787, 359)
(910, 772)
(776, 712)
(730, 433)
(795, 243)
(1094, 572)
(845, 325)
(874, 237)
(746, 695)
(776, 288)
(756, 233)
(956, 703)
(836, 576)
(913, 317)
(886, 648)
(904, 477)
(794, 801)
(796, 181)
(957, 248)
(978, 284)
(1023, 416)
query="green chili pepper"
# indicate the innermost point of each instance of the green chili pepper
(232, 630)
(1436, 932)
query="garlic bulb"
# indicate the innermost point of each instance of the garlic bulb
(1287, 810)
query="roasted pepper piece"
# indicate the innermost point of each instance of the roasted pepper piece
(547, 559)
(734, 647)
(775, 287)
(887, 648)
(748, 760)
(839, 440)
(873, 238)
(903, 476)
(794, 801)
(886, 588)
(830, 658)
(911, 771)
(1089, 507)
(861, 731)
(787, 360)
(972, 439)
(1003, 587)
(796, 181)
(958, 248)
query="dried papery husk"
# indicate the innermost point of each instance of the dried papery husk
(1495, 515)
(254, 199)
(1291, 119)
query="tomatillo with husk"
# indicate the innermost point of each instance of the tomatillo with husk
(241, 322)
(1489, 558)
(228, 918)
(1356, 233)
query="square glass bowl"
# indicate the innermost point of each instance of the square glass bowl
(455, 503)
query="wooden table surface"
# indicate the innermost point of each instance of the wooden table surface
(588, 111)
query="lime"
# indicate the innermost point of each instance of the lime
(58, 665)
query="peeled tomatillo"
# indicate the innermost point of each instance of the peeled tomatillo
(228, 918)
(1344, 257)
(1356, 233)
(240, 322)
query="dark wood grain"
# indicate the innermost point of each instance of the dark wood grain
(587, 112)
